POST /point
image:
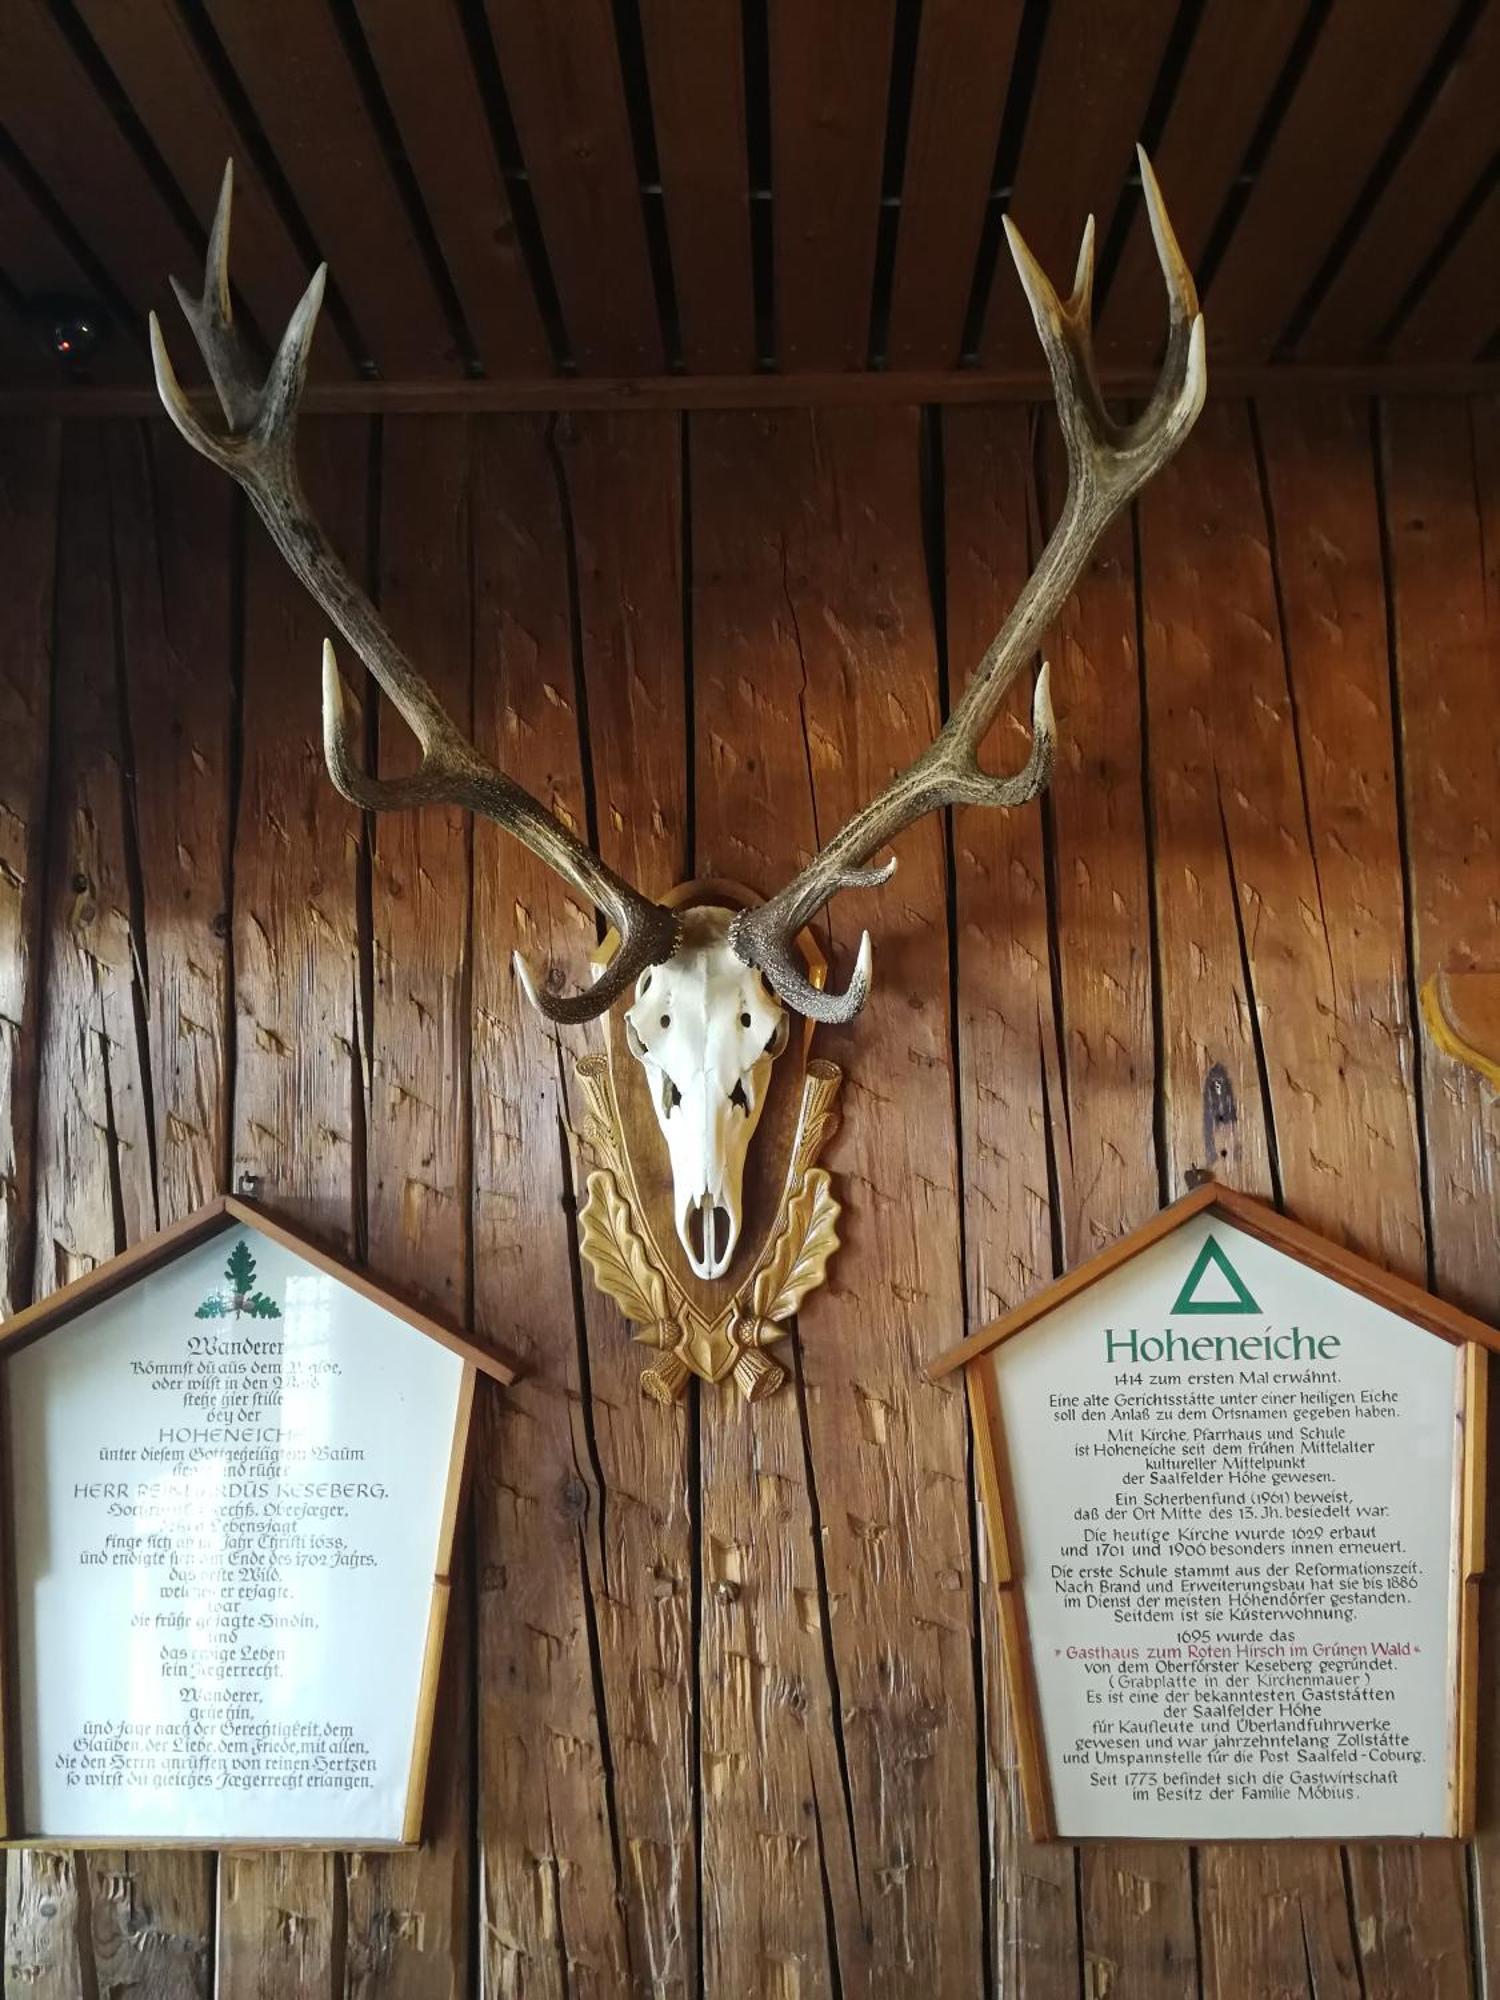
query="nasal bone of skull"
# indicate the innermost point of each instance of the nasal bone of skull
(706, 1140)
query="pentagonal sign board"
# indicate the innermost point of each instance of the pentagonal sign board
(233, 1473)
(1234, 1484)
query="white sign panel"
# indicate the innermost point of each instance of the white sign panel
(1234, 1485)
(228, 1485)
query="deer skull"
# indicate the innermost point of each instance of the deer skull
(706, 1029)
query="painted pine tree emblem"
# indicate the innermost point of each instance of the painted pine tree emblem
(237, 1298)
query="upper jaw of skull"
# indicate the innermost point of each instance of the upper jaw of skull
(706, 1029)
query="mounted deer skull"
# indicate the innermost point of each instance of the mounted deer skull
(711, 986)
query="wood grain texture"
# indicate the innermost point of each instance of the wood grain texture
(621, 482)
(830, 75)
(1099, 61)
(29, 457)
(159, 66)
(1008, 1076)
(771, 1709)
(408, 1914)
(1364, 68)
(1232, 64)
(1442, 493)
(755, 1651)
(550, 1863)
(1446, 157)
(959, 90)
(297, 1075)
(1459, 312)
(49, 106)
(561, 68)
(695, 64)
(1271, 768)
(298, 79)
(434, 95)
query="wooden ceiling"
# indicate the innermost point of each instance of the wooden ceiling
(542, 201)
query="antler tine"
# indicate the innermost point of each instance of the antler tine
(1108, 464)
(257, 451)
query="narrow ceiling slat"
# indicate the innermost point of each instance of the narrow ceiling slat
(561, 69)
(1459, 312)
(1359, 79)
(1446, 157)
(1236, 57)
(830, 75)
(69, 137)
(695, 61)
(1100, 60)
(37, 261)
(160, 69)
(293, 68)
(963, 68)
(434, 94)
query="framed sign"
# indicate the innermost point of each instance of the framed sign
(233, 1468)
(1233, 1484)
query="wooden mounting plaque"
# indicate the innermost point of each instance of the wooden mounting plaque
(1233, 1485)
(233, 1474)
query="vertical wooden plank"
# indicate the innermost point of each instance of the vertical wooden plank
(29, 453)
(776, 1813)
(294, 70)
(561, 67)
(695, 62)
(1231, 68)
(1135, 1899)
(297, 1071)
(1364, 67)
(1442, 516)
(830, 76)
(430, 82)
(29, 459)
(1007, 1066)
(1279, 891)
(549, 1854)
(891, 1450)
(958, 97)
(622, 488)
(1099, 62)
(408, 1915)
(172, 526)
(96, 1187)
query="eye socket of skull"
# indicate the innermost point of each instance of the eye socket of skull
(780, 1035)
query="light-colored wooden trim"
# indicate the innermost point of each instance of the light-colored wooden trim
(1015, 1639)
(1385, 1288)
(214, 1217)
(10, 1760)
(775, 391)
(437, 1618)
(1474, 1451)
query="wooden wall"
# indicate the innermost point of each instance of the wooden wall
(722, 1713)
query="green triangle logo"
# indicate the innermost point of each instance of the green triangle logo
(1212, 1258)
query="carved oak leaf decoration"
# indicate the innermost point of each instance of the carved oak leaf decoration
(617, 1256)
(799, 1257)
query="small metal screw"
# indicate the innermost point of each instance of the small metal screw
(248, 1184)
(726, 1592)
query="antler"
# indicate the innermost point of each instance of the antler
(257, 452)
(1108, 463)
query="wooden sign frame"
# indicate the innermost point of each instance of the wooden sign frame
(1399, 1296)
(220, 1217)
